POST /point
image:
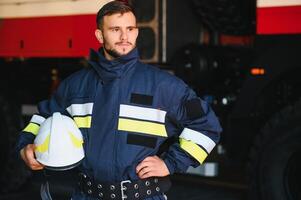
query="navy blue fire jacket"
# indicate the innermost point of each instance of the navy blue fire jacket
(125, 110)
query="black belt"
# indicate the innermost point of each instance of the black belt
(124, 190)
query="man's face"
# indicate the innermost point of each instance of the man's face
(118, 35)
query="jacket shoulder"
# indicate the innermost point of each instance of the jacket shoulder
(78, 75)
(162, 76)
(81, 81)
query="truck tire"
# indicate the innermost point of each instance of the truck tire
(275, 161)
(13, 172)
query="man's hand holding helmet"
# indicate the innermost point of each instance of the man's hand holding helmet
(28, 155)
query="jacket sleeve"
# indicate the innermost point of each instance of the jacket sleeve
(45, 109)
(196, 128)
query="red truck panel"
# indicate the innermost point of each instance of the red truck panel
(63, 36)
(279, 20)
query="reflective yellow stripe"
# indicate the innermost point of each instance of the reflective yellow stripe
(83, 122)
(142, 127)
(43, 147)
(76, 142)
(194, 150)
(32, 128)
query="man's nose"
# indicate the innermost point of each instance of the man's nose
(124, 36)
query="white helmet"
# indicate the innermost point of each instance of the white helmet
(59, 143)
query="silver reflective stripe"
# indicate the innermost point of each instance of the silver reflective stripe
(137, 112)
(80, 109)
(198, 138)
(37, 119)
(44, 191)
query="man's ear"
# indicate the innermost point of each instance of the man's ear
(99, 36)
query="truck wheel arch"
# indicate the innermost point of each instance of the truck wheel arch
(275, 162)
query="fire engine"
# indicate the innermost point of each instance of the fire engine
(243, 57)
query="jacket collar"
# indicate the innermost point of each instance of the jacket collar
(112, 69)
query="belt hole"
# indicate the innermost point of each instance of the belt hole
(99, 186)
(147, 183)
(100, 194)
(148, 192)
(89, 191)
(156, 180)
(113, 196)
(112, 187)
(136, 186)
(157, 189)
(137, 195)
(89, 183)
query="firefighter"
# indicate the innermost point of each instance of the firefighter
(126, 110)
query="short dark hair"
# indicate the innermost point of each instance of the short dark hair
(111, 8)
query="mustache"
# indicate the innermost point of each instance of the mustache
(124, 43)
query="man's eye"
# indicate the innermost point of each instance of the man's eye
(115, 29)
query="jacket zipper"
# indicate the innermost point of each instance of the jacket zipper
(116, 138)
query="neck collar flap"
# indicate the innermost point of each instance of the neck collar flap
(111, 69)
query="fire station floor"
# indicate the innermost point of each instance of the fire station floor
(185, 187)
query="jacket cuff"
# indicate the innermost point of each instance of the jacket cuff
(24, 139)
(175, 165)
(170, 165)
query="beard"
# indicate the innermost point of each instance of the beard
(113, 52)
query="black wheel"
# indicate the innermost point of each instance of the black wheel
(275, 160)
(13, 172)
